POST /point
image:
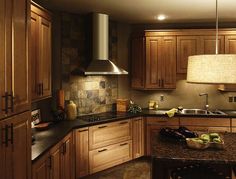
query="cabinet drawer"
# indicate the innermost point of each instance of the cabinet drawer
(110, 156)
(211, 122)
(208, 129)
(163, 121)
(110, 133)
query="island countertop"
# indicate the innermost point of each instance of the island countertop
(165, 150)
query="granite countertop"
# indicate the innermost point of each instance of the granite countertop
(165, 150)
(48, 138)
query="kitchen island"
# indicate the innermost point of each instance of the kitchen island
(169, 156)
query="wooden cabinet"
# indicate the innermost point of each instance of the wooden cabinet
(41, 168)
(154, 63)
(81, 152)
(109, 144)
(138, 63)
(14, 63)
(109, 133)
(206, 124)
(15, 147)
(154, 124)
(186, 46)
(110, 156)
(58, 163)
(138, 137)
(40, 52)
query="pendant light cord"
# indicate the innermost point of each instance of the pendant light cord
(216, 27)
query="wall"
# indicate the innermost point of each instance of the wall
(185, 94)
(92, 94)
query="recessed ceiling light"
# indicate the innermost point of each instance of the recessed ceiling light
(161, 17)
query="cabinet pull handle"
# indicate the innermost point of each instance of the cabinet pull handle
(102, 127)
(50, 162)
(123, 144)
(12, 101)
(12, 133)
(42, 89)
(162, 83)
(102, 150)
(124, 122)
(6, 135)
(6, 102)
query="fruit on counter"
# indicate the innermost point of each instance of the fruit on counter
(172, 133)
(186, 132)
(205, 137)
(217, 140)
(214, 135)
(198, 140)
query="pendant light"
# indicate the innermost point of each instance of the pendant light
(212, 69)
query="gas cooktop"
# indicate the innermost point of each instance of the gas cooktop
(101, 117)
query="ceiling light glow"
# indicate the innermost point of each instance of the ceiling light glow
(161, 17)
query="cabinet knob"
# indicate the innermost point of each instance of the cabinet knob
(102, 150)
(6, 102)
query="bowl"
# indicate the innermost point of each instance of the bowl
(196, 145)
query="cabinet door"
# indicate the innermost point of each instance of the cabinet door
(40, 169)
(138, 63)
(153, 62)
(230, 44)
(138, 137)
(110, 133)
(168, 68)
(34, 56)
(81, 152)
(67, 166)
(45, 56)
(2, 56)
(186, 46)
(56, 162)
(110, 156)
(208, 45)
(18, 151)
(18, 78)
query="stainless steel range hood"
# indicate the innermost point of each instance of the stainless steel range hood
(100, 64)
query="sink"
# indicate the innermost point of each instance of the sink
(201, 112)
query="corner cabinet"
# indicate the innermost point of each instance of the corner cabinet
(40, 52)
(58, 163)
(14, 61)
(153, 62)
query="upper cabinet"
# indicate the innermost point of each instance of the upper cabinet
(159, 55)
(153, 62)
(40, 52)
(14, 61)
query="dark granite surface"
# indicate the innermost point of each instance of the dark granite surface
(166, 150)
(46, 139)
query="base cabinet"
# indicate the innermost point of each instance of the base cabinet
(138, 137)
(58, 163)
(81, 152)
(110, 156)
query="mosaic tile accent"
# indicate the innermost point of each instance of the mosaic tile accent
(91, 94)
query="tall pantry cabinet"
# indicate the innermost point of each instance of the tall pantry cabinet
(15, 149)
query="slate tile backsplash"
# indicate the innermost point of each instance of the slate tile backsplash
(91, 94)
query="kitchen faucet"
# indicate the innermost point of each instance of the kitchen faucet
(206, 105)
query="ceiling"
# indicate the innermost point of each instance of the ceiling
(145, 11)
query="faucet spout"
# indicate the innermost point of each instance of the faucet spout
(206, 104)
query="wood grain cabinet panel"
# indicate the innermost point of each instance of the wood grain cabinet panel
(109, 133)
(81, 152)
(138, 137)
(15, 147)
(208, 45)
(14, 61)
(186, 46)
(156, 66)
(41, 52)
(40, 169)
(110, 156)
